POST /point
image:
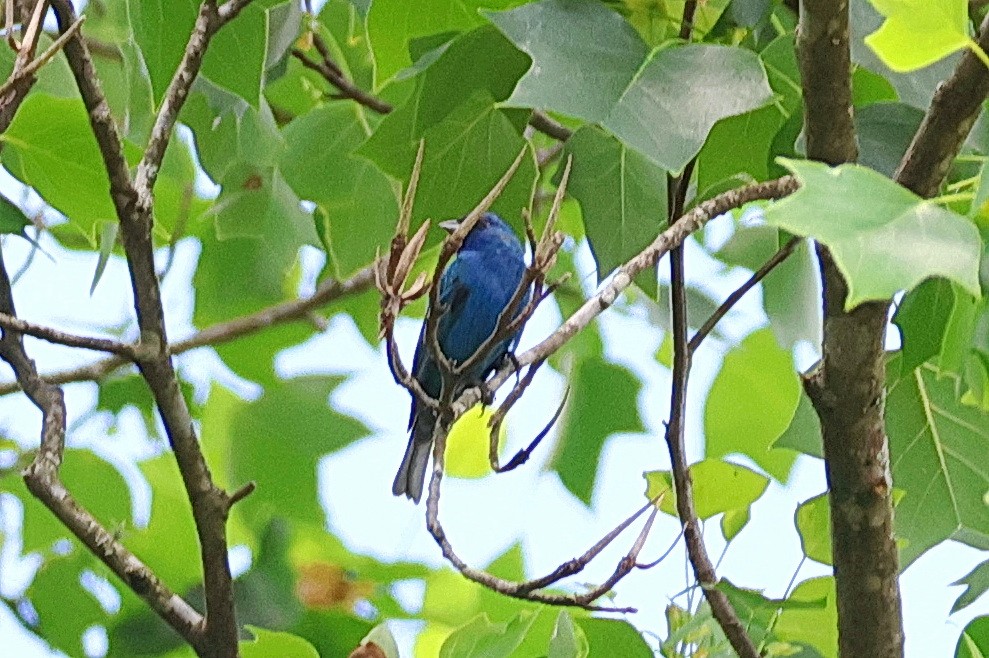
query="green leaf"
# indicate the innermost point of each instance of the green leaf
(271, 441)
(719, 487)
(50, 146)
(95, 484)
(272, 644)
(937, 453)
(885, 130)
(614, 637)
(752, 402)
(601, 66)
(813, 625)
(976, 584)
(229, 132)
(864, 219)
(108, 240)
(974, 640)
(922, 318)
(470, 142)
(162, 29)
(358, 203)
(712, 83)
(813, 521)
(12, 218)
(393, 24)
(235, 59)
(170, 536)
(734, 521)
(482, 638)
(602, 402)
(55, 590)
(618, 225)
(662, 104)
(918, 33)
(568, 639)
(916, 87)
(804, 432)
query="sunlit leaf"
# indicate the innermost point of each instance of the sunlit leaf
(865, 218)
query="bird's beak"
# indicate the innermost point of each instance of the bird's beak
(449, 225)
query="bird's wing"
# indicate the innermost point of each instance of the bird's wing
(453, 296)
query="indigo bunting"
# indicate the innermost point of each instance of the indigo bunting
(474, 290)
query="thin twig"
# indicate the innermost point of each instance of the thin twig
(43, 481)
(327, 67)
(678, 231)
(35, 65)
(52, 335)
(223, 332)
(732, 299)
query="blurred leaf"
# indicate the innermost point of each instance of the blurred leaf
(749, 13)
(922, 318)
(12, 218)
(568, 639)
(916, 87)
(813, 520)
(916, 34)
(602, 66)
(359, 201)
(55, 590)
(108, 239)
(804, 432)
(884, 131)
(808, 622)
(229, 132)
(603, 401)
(974, 640)
(719, 486)
(861, 216)
(235, 59)
(470, 141)
(937, 449)
(393, 24)
(95, 484)
(170, 537)
(632, 95)
(162, 29)
(757, 612)
(50, 146)
(267, 593)
(467, 445)
(271, 644)
(976, 584)
(481, 637)
(613, 637)
(751, 403)
(869, 88)
(277, 442)
(618, 226)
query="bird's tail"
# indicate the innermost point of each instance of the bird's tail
(412, 473)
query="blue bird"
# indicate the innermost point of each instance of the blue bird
(474, 290)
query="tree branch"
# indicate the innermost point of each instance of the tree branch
(327, 67)
(740, 292)
(133, 203)
(224, 332)
(43, 481)
(848, 387)
(622, 278)
(52, 335)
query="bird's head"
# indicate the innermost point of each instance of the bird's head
(489, 233)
